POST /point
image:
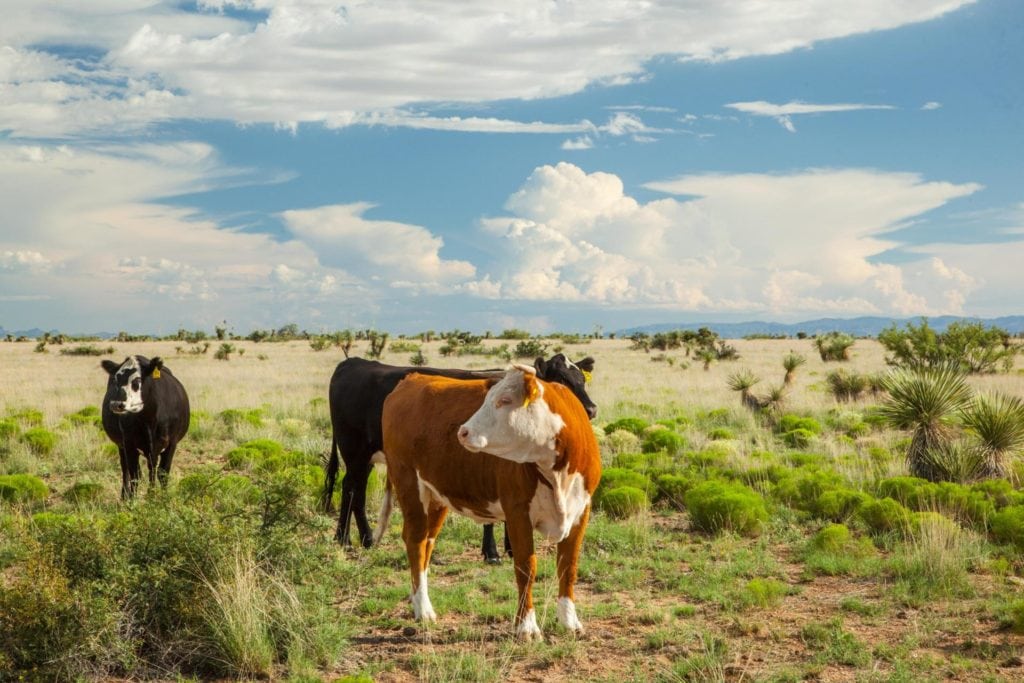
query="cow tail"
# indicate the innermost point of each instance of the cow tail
(386, 506)
(330, 476)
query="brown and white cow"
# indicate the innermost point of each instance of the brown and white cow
(516, 449)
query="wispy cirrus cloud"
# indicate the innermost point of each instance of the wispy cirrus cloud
(783, 113)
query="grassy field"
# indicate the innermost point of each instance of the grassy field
(781, 549)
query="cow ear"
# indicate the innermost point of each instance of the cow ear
(531, 388)
(541, 365)
(153, 368)
(110, 366)
(586, 365)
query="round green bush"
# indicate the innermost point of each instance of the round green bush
(764, 592)
(798, 438)
(8, 429)
(29, 416)
(89, 415)
(884, 515)
(718, 505)
(719, 433)
(832, 538)
(40, 440)
(663, 440)
(839, 504)
(212, 485)
(624, 501)
(904, 490)
(22, 488)
(83, 492)
(1008, 526)
(234, 417)
(616, 477)
(672, 488)
(621, 441)
(788, 423)
(634, 425)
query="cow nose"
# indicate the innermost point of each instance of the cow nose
(463, 433)
(591, 412)
(117, 406)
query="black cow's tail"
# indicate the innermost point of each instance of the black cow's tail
(384, 520)
(330, 476)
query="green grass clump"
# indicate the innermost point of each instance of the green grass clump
(884, 515)
(834, 645)
(763, 593)
(32, 417)
(834, 550)
(1008, 526)
(663, 440)
(803, 488)
(83, 492)
(624, 501)
(40, 441)
(720, 505)
(788, 423)
(634, 425)
(233, 417)
(671, 489)
(719, 433)
(616, 477)
(1011, 616)
(8, 429)
(22, 488)
(798, 438)
(263, 454)
(621, 441)
(89, 415)
(839, 504)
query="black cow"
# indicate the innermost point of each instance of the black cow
(145, 411)
(357, 393)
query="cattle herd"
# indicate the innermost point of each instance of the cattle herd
(511, 445)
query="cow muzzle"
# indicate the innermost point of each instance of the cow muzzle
(470, 441)
(591, 411)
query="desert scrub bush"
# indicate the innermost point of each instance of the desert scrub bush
(39, 440)
(624, 501)
(671, 489)
(87, 350)
(22, 488)
(934, 560)
(8, 429)
(621, 441)
(616, 477)
(763, 592)
(834, 550)
(834, 346)
(718, 433)
(885, 515)
(1007, 526)
(634, 425)
(663, 440)
(1011, 616)
(846, 386)
(227, 493)
(232, 417)
(83, 492)
(833, 644)
(798, 438)
(721, 505)
(838, 505)
(803, 487)
(30, 417)
(789, 422)
(89, 415)
(263, 454)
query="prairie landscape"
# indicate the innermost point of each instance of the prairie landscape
(727, 544)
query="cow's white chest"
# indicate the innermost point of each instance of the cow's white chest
(555, 510)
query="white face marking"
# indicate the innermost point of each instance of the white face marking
(505, 427)
(528, 629)
(555, 511)
(421, 607)
(128, 378)
(567, 615)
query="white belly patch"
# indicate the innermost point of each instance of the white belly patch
(428, 494)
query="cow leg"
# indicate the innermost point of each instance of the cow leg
(134, 474)
(488, 546)
(415, 534)
(359, 505)
(508, 543)
(568, 558)
(165, 462)
(435, 520)
(126, 489)
(521, 534)
(357, 472)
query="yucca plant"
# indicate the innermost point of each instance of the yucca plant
(773, 402)
(707, 357)
(926, 402)
(743, 382)
(790, 363)
(846, 386)
(998, 423)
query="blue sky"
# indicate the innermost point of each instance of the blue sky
(554, 166)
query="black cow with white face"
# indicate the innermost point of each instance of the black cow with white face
(357, 392)
(145, 411)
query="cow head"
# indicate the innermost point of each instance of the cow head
(573, 375)
(124, 387)
(514, 421)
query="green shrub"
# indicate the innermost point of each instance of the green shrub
(621, 441)
(1008, 526)
(833, 538)
(721, 433)
(83, 492)
(615, 477)
(760, 592)
(904, 490)
(840, 504)
(717, 505)
(28, 416)
(833, 550)
(885, 515)
(234, 491)
(803, 488)
(672, 488)
(999, 491)
(234, 417)
(788, 423)
(798, 438)
(633, 425)
(40, 440)
(1011, 617)
(8, 429)
(89, 415)
(22, 488)
(624, 501)
(663, 440)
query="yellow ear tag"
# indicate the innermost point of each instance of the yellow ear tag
(156, 373)
(531, 394)
(586, 376)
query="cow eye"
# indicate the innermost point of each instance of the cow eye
(136, 383)
(503, 401)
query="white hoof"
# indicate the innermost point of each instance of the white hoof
(421, 607)
(567, 615)
(528, 630)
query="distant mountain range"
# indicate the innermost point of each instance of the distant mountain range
(858, 327)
